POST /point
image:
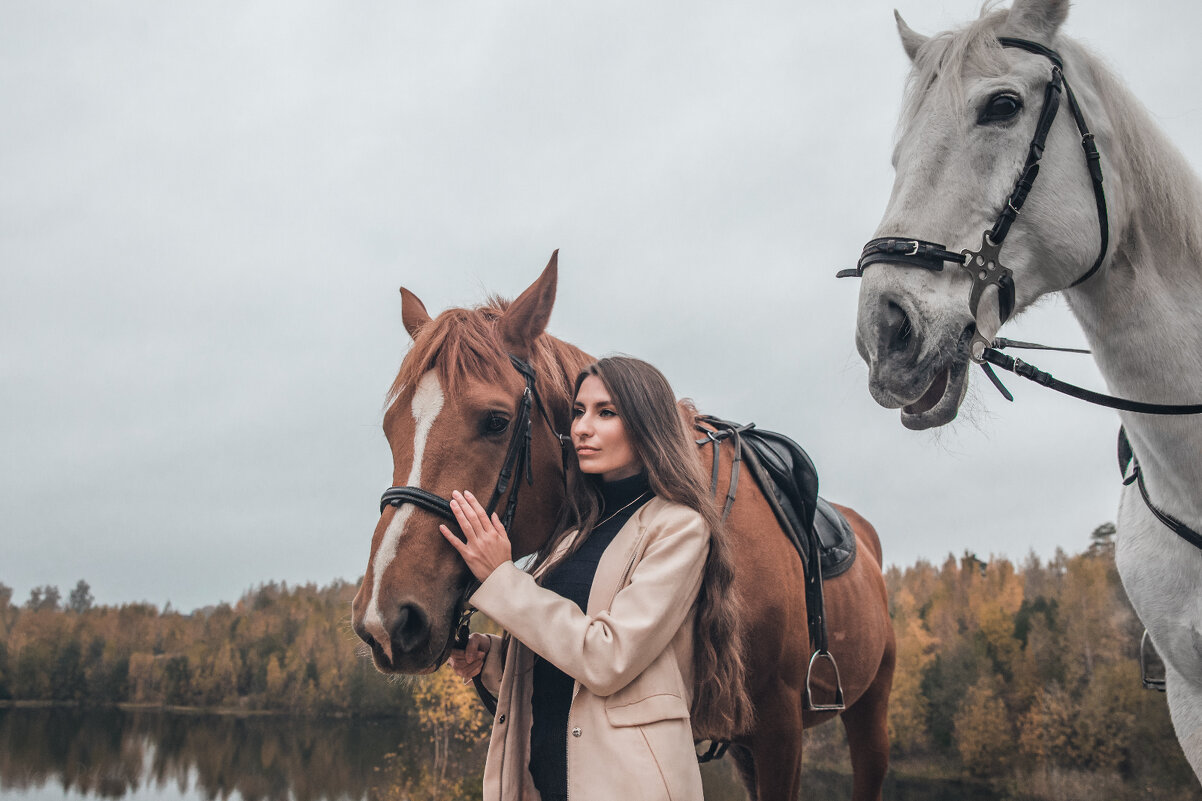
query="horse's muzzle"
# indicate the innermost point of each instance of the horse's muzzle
(404, 643)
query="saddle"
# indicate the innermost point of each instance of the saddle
(787, 477)
(822, 537)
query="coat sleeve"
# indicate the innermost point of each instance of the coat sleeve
(606, 651)
(494, 664)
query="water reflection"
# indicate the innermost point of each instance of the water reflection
(111, 753)
(153, 754)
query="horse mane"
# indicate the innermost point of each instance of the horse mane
(465, 342)
(1165, 198)
(943, 60)
(1164, 195)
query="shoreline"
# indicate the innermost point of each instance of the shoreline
(224, 711)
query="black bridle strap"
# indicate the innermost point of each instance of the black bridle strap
(1126, 453)
(984, 265)
(1128, 461)
(395, 496)
(910, 252)
(1030, 170)
(1033, 373)
(516, 462)
(1093, 159)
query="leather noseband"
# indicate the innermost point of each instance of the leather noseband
(983, 264)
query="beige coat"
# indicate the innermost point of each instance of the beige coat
(631, 655)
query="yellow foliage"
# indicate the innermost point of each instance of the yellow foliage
(915, 651)
(984, 733)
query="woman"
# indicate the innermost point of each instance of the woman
(623, 637)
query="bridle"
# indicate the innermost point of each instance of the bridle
(509, 480)
(985, 269)
(984, 265)
(517, 460)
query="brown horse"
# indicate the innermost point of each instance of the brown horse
(448, 419)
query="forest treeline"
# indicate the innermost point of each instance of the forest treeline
(278, 648)
(1001, 666)
(1007, 669)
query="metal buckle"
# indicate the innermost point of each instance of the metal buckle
(913, 249)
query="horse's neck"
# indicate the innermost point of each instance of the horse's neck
(1143, 316)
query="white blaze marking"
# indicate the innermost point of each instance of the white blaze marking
(427, 403)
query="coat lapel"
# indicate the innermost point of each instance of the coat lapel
(611, 569)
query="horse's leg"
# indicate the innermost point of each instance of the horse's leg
(745, 765)
(777, 755)
(867, 726)
(1185, 708)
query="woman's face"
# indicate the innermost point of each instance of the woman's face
(599, 435)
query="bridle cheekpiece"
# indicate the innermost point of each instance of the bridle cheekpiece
(984, 265)
(517, 460)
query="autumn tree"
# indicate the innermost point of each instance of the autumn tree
(984, 731)
(908, 706)
(80, 600)
(44, 598)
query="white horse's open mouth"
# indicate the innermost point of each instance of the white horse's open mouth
(932, 396)
(939, 404)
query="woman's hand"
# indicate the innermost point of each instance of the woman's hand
(468, 662)
(487, 546)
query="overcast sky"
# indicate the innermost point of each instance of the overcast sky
(206, 210)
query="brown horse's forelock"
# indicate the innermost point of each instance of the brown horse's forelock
(465, 343)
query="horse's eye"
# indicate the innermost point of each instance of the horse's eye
(1000, 107)
(495, 424)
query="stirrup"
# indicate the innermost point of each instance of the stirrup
(1145, 648)
(838, 706)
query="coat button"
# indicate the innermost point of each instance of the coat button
(501, 718)
(576, 732)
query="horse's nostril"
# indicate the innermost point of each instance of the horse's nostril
(411, 630)
(900, 329)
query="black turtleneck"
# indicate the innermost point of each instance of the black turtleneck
(573, 579)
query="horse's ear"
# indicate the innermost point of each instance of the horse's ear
(911, 40)
(1038, 19)
(527, 316)
(413, 312)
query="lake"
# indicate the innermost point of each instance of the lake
(52, 754)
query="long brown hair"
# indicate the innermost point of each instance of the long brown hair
(657, 432)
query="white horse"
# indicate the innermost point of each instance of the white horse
(970, 113)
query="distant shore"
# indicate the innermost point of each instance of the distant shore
(228, 711)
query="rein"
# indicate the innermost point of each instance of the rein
(993, 355)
